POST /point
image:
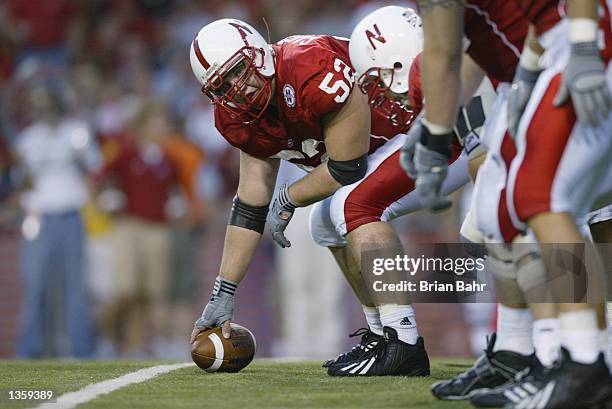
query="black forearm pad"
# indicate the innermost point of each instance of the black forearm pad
(247, 216)
(437, 143)
(347, 172)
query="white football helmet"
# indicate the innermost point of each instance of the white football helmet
(382, 48)
(235, 66)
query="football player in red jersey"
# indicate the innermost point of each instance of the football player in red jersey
(295, 100)
(495, 32)
(550, 216)
(379, 53)
(386, 60)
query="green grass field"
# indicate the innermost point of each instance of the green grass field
(263, 385)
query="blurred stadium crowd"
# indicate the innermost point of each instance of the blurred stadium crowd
(115, 187)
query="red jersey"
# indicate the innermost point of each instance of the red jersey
(496, 31)
(543, 14)
(313, 78)
(146, 183)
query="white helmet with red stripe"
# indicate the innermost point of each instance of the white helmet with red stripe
(235, 66)
(382, 48)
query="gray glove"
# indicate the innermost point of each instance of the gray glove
(522, 86)
(428, 166)
(220, 308)
(584, 78)
(280, 215)
(431, 167)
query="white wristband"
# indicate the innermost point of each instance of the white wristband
(530, 60)
(436, 129)
(582, 30)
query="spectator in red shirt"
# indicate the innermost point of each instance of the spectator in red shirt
(142, 244)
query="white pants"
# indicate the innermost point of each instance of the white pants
(386, 192)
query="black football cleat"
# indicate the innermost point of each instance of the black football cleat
(571, 385)
(390, 356)
(528, 382)
(368, 341)
(491, 370)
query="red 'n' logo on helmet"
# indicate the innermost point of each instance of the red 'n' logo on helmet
(375, 36)
(243, 30)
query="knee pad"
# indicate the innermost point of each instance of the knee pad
(472, 239)
(503, 269)
(500, 261)
(321, 227)
(531, 272)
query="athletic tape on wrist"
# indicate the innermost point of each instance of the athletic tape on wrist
(582, 30)
(224, 286)
(438, 143)
(530, 60)
(284, 200)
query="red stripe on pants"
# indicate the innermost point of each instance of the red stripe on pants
(546, 139)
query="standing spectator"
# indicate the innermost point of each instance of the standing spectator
(187, 210)
(146, 176)
(54, 151)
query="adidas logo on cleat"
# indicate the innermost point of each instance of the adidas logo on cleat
(389, 357)
(405, 321)
(360, 368)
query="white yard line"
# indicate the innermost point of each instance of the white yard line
(70, 400)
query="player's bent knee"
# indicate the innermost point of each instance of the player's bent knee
(500, 261)
(531, 273)
(503, 269)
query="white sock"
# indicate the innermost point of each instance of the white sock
(401, 318)
(373, 319)
(514, 330)
(580, 335)
(546, 340)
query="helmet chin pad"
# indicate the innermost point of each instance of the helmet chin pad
(239, 87)
(375, 83)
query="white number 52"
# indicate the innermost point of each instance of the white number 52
(338, 85)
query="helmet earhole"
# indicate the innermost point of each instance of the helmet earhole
(398, 65)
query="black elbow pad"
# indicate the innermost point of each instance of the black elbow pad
(347, 172)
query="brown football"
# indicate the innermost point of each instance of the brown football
(213, 353)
